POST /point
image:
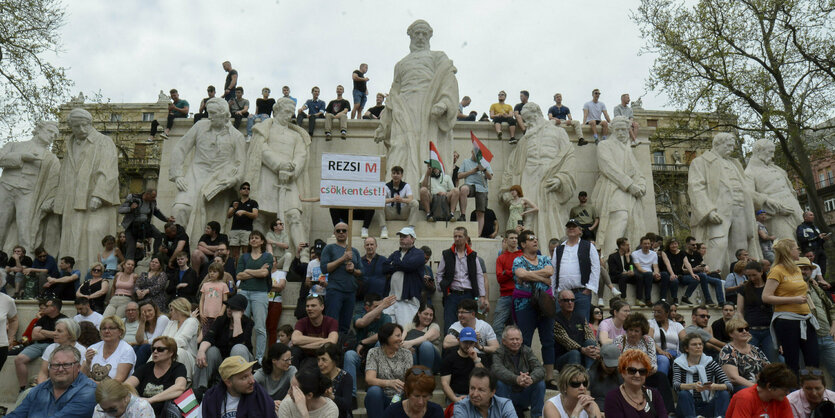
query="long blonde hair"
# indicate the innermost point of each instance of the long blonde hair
(111, 390)
(783, 254)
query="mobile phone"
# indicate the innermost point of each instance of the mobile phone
(520, 222)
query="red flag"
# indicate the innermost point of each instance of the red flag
(481, 151)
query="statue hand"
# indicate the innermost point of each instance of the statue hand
(287, 166)
(438, 109)
(714, 218)
(47, 205)
(635, 190)
(379, 135)
(181, 184)
(95, 203)
(553, 185)
(28, 157)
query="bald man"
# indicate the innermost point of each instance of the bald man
(342, 265)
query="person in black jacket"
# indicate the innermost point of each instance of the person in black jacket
(182, 282)
(230, 335)
(455, 288)
(406, 267)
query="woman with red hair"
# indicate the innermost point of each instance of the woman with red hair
(418, 387)
(517, 208)
(632, 399)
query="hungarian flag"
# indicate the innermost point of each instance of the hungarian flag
(435, 158)
(482, 154)
(187, 403)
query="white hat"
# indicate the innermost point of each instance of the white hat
(408, 230)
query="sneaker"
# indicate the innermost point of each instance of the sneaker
(384, 233)
(581, 142)
(604, 138)
(364, 233)
(249, 138)
(640, 302)
(616, 293)
(685, 301)
(163, 135)
(513, 140)
(634, 144)
(675, 301)
(462, 218)
(499, 135)
(344, 134)
(150, 139)
(429, 218)
(596, 141)
(327, 136)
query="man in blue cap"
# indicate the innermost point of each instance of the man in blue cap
(457, 365)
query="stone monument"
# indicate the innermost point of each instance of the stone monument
(619, 190)
(88, 190)
(422, 106)
(276, 169)
(722, 204)
(542, 162)
(206, 182)
(30, 177)
(779, 197)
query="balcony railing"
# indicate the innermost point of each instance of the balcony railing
(679, 168)
(139, 163)
(818, 185)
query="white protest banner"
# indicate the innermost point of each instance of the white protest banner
(366, 168)
(352, 194)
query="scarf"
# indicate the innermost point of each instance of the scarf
(395, 191)
(691, 371)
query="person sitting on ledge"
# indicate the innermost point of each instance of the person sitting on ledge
(337, 109)
(239, 107)
(465, 101)
(263, 110)
(503, 112)
(400, 202)
(68, 391)
(315, 109)
(178, 108)
(437, 194)
(375, 111)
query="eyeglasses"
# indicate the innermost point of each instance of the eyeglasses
(286, 360)
(160, 349)
(341, 231)
(244, 188)
(743, 329)
(65, 366)
(704, 316)
(103, 329)
(418, 372)
(632, 370)
(96, 270)
(576, 385)
(597, 93)
(568, 300)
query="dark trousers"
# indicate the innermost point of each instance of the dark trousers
(199, 116)
(469, 118)
(169, 122)
(238, 117)
(311, 121)
(588, 234)
(138, 232)
(788, 337)
(341, 215)
(300, 359)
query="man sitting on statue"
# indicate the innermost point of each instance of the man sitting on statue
(475, 174)
(138, 210)
(437, 194)
(399, 200)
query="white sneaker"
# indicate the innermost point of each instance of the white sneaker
(364, 233)
(384, 233)
(248, 138)
(615, 292)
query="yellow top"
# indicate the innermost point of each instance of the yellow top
(788, 285)
(498, 108)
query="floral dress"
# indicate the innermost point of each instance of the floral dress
(748, 365)
(156, 285)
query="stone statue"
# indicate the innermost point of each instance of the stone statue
(276, 171)
(88, 190)
(422, 106)
(542, 163)
(30, 177)
(722, 204)
(163, 98)
(619, 190)
(779, 197)
(207, 184)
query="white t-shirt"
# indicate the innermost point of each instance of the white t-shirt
(278, 276)
(7, 310)
(404, 193)
(314, 271)
(94, 317)
(483, 329)
(671, 333)
(230, 409)
(162, 322)
(50, 348)
(124, 354)
(645, 261)
(817, 272)
(130, 330)
(595, 110)
(569, 269)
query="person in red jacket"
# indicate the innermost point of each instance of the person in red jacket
(504, 275)
(767, 397)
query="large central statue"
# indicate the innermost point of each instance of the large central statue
(276, 170)
(206, 184)
(422, 106)
(542, 163)
(772, 182)
(722, 204)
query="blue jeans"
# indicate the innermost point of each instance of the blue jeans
(762, 339)
(532, 396)
(426, 354)
(668, 283)
(359, 97)
(257, 310)
(704, 281)
(376, 401)
(664, 362)
(582, 304)
(575, 357)
(251, 121)
(451, 302)
(350, 363)
(504, 305)
(340, 306)
(528, 321)
(143, 353)
(689, 407)
(826, 348)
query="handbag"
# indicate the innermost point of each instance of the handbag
(544, 303)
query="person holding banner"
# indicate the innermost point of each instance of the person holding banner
(343, 267)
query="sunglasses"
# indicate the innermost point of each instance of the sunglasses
(743, 329)
(96, 270)
(160, 349)
(244, 188)
(341, 231)
(576, 385)
(568, 300)
(704, 316)
(813, 372)
(632, 370)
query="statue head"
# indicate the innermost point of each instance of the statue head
(620, 128)
(723, 144)
(45, 132)
(764, 150)
(218, 112)
(81, 123)
(531, 113)
(419, 32)
(283, 110)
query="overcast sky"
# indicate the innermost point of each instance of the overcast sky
(130, 50)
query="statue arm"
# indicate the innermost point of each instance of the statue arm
(299, 159)
(697, 189)
(106, 176)
(178, 154)
(611, 168)
(9, 158)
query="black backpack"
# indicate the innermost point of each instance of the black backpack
(825, 409)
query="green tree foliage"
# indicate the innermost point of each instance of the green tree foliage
(31, 87)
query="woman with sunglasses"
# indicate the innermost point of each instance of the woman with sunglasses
(532, 273)
(161, 380)
(637, 338)
(574, 395)
(117, 399)
(812, 392)
(418, 387)
(596, 319)
(633, 399)
(95, 289)
(702, 386)
(741, 361)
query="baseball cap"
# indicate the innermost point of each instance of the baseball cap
(407, 230)
(237, 302)
(467, 334)
(610, 354)
(233, 365)
(803, 261)
(761, 211)
(572, 221)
